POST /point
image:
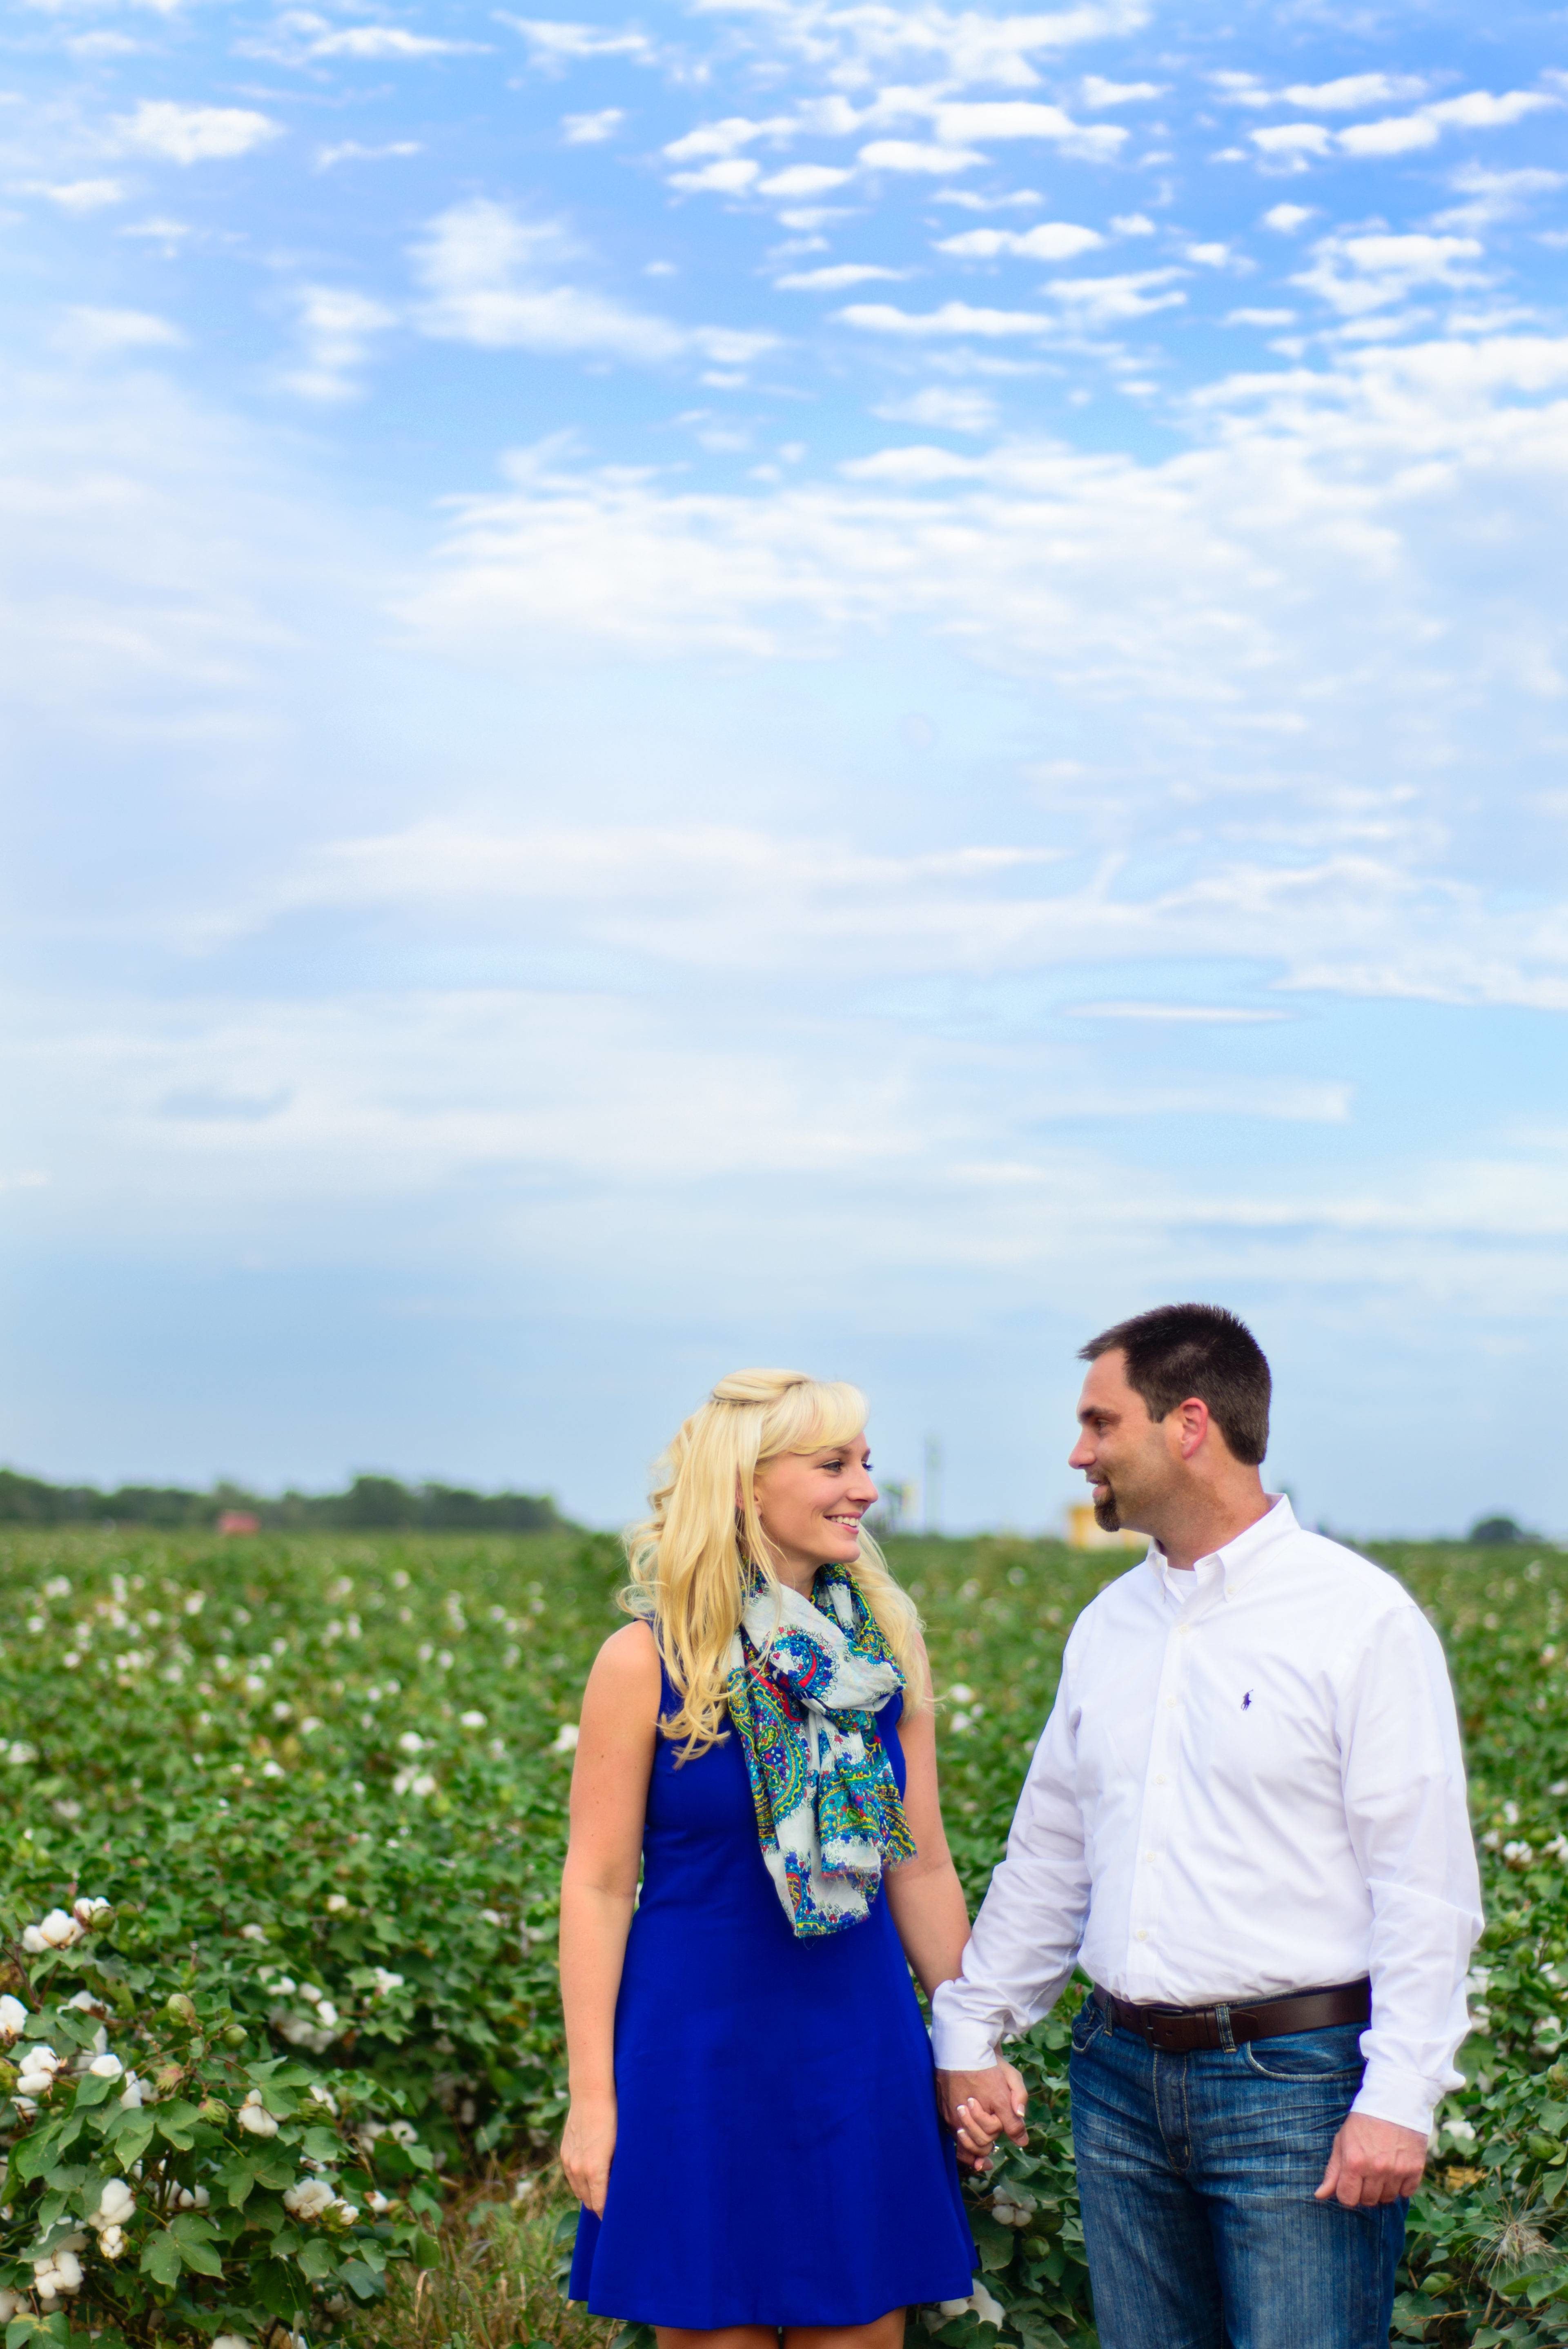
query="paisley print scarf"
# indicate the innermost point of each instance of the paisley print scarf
(807, 1679)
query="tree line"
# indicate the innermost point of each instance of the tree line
(371, 1502)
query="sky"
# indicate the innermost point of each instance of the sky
(848, 685)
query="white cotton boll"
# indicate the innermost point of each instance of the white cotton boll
(10, 2302)
(335, 1903)
(250, 1933)
(345, 2211)
(386, 1981)
(960, 1694)
(284, 1985)
(313, 1992)
(310, 2198)
(111, 2242)
(566, 1738)
(68, 2270)
(115, 2203)
(474, 1720)
(327, 2014)
(107, 2068)
(231, 2341)
(88, 1912)
(13, 2018)
(318, 2094)
(33, 1941)
(59, 1929)
(410, 1741)
(133, 2094)
(253, 2116)
(377, 2203)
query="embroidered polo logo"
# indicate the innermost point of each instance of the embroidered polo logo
(1247, 1700)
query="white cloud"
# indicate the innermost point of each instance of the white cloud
(1495, 195)
(1106, 301)
(350, 151)
(1478, 109)
(388, 43)
(487, 274)
(1024, 118)
(911, 155)
(1286, 219)
(730, 177)
(1049, 240)
(1352, 91)
(1359, 275)
(837, 277)
(591, 129)
(193, 134)
(80, 196)
(337, 327)
(798, 179)
(1098, 92)
(865, 45)
(89, 333)
(554, 45)
(952, 318)
(1208, 256)
(948, 410)
(1288, 144)
(727, 138)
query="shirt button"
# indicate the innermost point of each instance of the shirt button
(1140, 1935)
(1151, 1855)
(1162, 1780)
(1184, 1629)
(1171, 1703)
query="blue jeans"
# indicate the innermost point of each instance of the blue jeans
(1197, 2174)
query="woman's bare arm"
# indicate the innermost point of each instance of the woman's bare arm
(598, 1889)
(932, 1918)
(924, 1893)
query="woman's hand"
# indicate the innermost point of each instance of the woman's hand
(587, 2148)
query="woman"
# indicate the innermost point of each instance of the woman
(753, 2130)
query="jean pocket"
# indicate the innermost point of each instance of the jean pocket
(1087, 2025)
(1332, 2054)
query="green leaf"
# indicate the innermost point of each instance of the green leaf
(161, 2259)
(426, 2252)
(318, 2259)
(361, 2281)
(91, 2089)
(130, 2134)
(203, 2258)
(323, 2145)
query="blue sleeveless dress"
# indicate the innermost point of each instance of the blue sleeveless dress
(779, 2156)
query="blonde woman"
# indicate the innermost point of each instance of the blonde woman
(753, 2132)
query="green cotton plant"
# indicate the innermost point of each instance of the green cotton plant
(166, 2172)
(321, 1781)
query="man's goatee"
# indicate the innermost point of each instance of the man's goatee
(1105, 1517)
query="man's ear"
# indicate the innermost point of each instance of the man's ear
(1193, 1425)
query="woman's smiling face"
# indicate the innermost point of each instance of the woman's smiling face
(811, 1504)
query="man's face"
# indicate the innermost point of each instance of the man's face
(1124, 1453)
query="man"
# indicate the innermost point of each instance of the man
(1246, 1818)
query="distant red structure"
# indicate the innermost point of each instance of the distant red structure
(239, 1521)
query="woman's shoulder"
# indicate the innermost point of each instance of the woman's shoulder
(626, 1668)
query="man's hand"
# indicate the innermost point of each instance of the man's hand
(1372, 2161)
(981, 2107)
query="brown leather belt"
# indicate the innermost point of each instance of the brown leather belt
(1179, 2030)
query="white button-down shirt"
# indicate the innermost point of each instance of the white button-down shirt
(1251, 1784)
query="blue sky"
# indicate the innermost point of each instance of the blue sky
(839, 684)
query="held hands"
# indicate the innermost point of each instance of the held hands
(981, 2107)
(1372, 2161)
(587, 2148)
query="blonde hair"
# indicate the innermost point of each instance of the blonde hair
(688, 1558)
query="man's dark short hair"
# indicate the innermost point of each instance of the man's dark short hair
(1181, 1350)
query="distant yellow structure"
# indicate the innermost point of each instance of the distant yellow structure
(1083, 1533)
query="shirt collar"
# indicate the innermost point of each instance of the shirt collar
(1239, 1559)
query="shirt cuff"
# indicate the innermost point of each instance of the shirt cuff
(1388, 2094)
(958, 2044)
